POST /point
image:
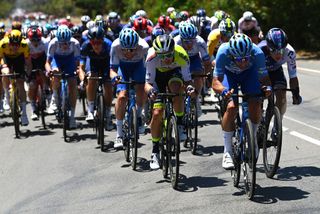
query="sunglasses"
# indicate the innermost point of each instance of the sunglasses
(96, 42)
(128, 50)
(277, 51)
(242, 59)
(166, 55)
(64, 43)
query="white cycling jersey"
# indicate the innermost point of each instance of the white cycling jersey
(57, 48)
(199, 47)
(117, 55)
(40, 49)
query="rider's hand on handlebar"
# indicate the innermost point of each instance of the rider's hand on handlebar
(226, 94)
(267, 90)
(152, 93)
(296, 98)
(191, 91)
(115, 80)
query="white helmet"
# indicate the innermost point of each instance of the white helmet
(247, 15)
(141, 13)
(90, 24)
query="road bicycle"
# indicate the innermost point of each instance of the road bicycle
(169, 143)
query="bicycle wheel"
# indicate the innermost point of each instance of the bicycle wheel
(100, 122)
(126, 138)
(15, 113)
(134, 138)
(65, 124)
(173, 149)
(42, 108)
(193, 128)
(273, 142)
(249, 163)
(235, 173)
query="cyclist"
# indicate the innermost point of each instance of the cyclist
(167, 66)
(128, 54)
(143, 14)
(248, 25)
(197, 51)
(15, 55)
(219, 15)
(84, 20)
(95, 60)
(278, 52)
(140, 25)
(165, 23)
(63, 56)
(76, 33)
(38, 49)
(203, 30)
(239, 62)
(114, 26)
(156, 31)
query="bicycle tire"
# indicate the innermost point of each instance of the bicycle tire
(65, 124)
(164, 162)
(193, 129)
(236, 172)
(134, 138)
(15, 113)
(100, 122)
(173, 151)
(83, 101)
(126, 138)
(249, 163)
(42, 109)
(270, 145)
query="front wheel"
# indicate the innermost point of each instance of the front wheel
(193, 128)
(100, 122)
(43, 109)
(134, 138)
(15, 113)
(272, 143)
(65, 124)
(173, 149)
(249, 163)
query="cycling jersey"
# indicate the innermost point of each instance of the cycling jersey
(199, 47)
(117, 55)
(154, 64)
(96, 62)
(9, 51)
(288, 57)
(225, 62)
(214, 42)
(40, 49)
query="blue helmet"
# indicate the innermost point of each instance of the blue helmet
(240, 45)
(156, 31)
(188, 30)
(201, 12)
(63, 33)
(128, 38)
(276, 39)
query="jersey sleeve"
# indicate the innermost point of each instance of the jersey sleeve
(260, 62)
(114, 58)
(203, 49)
(213, 40)
(291, 62)
(83, 53)
(221, 59)
(151, 64)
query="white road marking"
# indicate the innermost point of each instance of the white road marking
(284, 129)
(305, 69)
(305, 137)
(302, 123)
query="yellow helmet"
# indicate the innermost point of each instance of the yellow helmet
(15, 36)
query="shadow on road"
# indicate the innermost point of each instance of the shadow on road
(208, 151)
(296, 173)
(192, 184)
(270, 195)
(203, 123)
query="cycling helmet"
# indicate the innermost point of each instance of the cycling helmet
(184, 15)
(34, 34)
(220, 15)
(187, 30)
(96, 32)
(140, 24)
(247, 15)
(15, 36)
(164, 21)
(170, 10)
(16, 25)
(128, 38)
(201, 12)
(276, 39)
(113, 17)
(196, 21)
(163, 44)
(90, 24)
(2, 25)
(156, 31)
(240, 45)
(227, 27)
(85, 19)
(101, 23)
(141, 13)
(63, 33)
(34, 24)
(75, 30)
(98, 17)
(132, 18)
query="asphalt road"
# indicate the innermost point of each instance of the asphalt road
(40, 173)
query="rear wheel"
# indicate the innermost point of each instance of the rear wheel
(272, 143)
(126, 138)
(134, 138)
(173, 149)
(164, 162)
(249, 163)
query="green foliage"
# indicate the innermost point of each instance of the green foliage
(299, 18)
